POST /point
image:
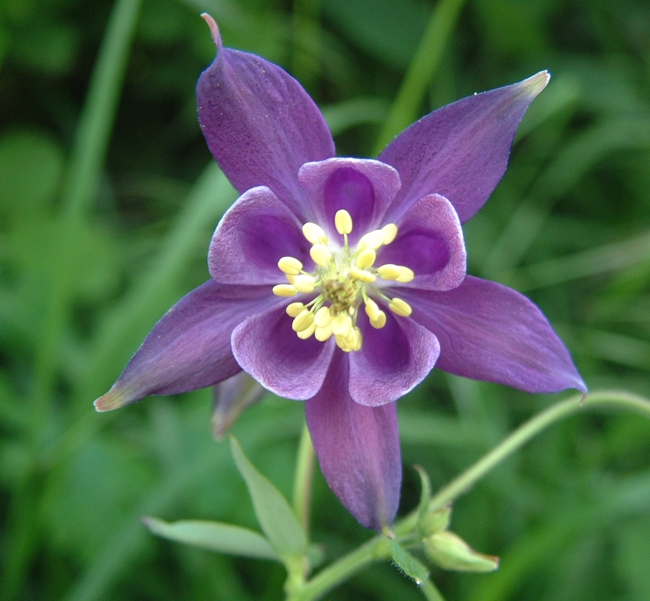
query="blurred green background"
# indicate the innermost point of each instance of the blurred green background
(107, 205)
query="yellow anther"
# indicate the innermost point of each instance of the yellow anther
(323, 334)
(361, 275)
(284, 290)
(304, 283)
(379, 321)
(351, 342)
(307, 332)
(389, 271)
(400, 307)
(372, 309)
(294, 309)
(390, 232)
(323, 317)
(343, 222)
(320, 254)
(342, 344)
(290, 266)
(303, 320)
(366, 259)
(406, 275)
(359, 341)
(371, 241)
(341, 324)
(314, 233)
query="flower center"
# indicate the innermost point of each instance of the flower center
(344, 278)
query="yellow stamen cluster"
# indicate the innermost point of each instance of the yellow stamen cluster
(343, 278)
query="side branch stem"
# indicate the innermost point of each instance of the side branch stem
(377, 548)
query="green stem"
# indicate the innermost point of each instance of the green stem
(377, 548)
(430, 591)
(423, 67)
(303, 479)
(530, 429)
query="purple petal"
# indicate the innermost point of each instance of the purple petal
(253, 235)
(357, 448)
(461, 150)
(490, 332)
(260, 124)
(362, 187)
(392, 360)
(189, 347)
(430, 242)
(269, 350)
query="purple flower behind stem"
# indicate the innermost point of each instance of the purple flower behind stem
(342, 282)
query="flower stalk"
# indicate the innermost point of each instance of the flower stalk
(377, 549)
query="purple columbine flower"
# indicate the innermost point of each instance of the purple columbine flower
(342, 282)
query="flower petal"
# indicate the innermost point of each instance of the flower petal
(189, 347)
(461, 150)
(392, 360)
(358, 449)
(260, 124)
(269, 350)
(490, 332)
(254, 234)
(430, 242)
(362, 187)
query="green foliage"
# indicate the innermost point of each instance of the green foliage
(215, 536)
(106, 211)
(272, 510)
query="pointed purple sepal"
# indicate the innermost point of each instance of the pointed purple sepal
(460, 150)
(189, 347)
(490, 332)
(260, 124)
(358, 449)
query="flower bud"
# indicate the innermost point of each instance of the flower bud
(451, 552)
(433, 522)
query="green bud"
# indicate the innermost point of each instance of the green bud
(433, 522)
(451, 552)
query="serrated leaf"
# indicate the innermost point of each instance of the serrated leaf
(408, 564)
(215, 536)
(274, 514)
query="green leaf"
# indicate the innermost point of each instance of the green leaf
(215, 536)
(408, 564)
(274, 514)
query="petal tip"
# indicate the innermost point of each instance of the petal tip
(536, 83)
(214, 29)
(113, 399)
